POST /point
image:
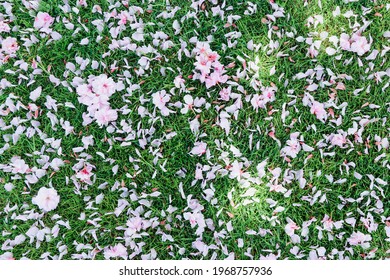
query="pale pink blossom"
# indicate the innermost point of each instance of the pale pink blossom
(123, 17)
(136, 224)
(318, 109)
(7, 256)
(199, 148)
(160, 98)
(85, 174)
(194, 205)
(9, 45)
(201, 247)
(179, 82)
(268, 94)
(195, 219)
(358, 238)
(356, 43)
(43, 21)
(116, 251)
(105, 115)
(290, 228)
(345, 42)
(225, 93)
(293, 146)
(359, 44)
(4, 27)
(46, 199)
(236, 170)
(188, 104)
(257, 101)
(19, 166)
(102, 85)
(338, 140)
(276, 188)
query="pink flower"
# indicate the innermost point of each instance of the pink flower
(46, 199)
(160, 98)
(43, 21)
(4, 27)
(194, 205)
(85, 174)
(102, 85)
(360, 44)
(268, 94)
(123, 18)
(290, 228)
(225, 93)
(201, 247)
(293, 146)
(105, 115)
(345, 42)
(257, 101)
(358, 238)
(189, 103)
(7, 256)
(318, 109)
(216, 77)
(276, 188)
(195, 219)
(19, 166)
(85, 93)
(327, 223)
(179, 82)
(356, 43)
(203, 65)
(199, 149)
(237, 172)
(338, 140)
(117, 251)
(136, 224)
(10, 45)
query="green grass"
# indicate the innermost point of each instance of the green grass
(175, 151)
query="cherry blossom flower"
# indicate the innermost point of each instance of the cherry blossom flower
(268, 94)
(179, 82)
(160, 99)
(46, 199)
(195, 219)
(258, 101)
(290, 228)
(359, 44)
(293, 146)
(19, 166)
(345, 42)
(136, 224)
(338, 140)
(10, 45)
(236, 170)
(43, 21)
(201, 247)
(199, 149)
(85, 174)
(318, 109)
(189, 103)
(116, 251)
(105, 115)
(7, 256)
(225, 93)
(4, 27)
(356, 43)
(358, 238)
(102, 85)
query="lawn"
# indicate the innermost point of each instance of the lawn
(210, 129)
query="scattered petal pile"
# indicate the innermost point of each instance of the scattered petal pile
(199, 129)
